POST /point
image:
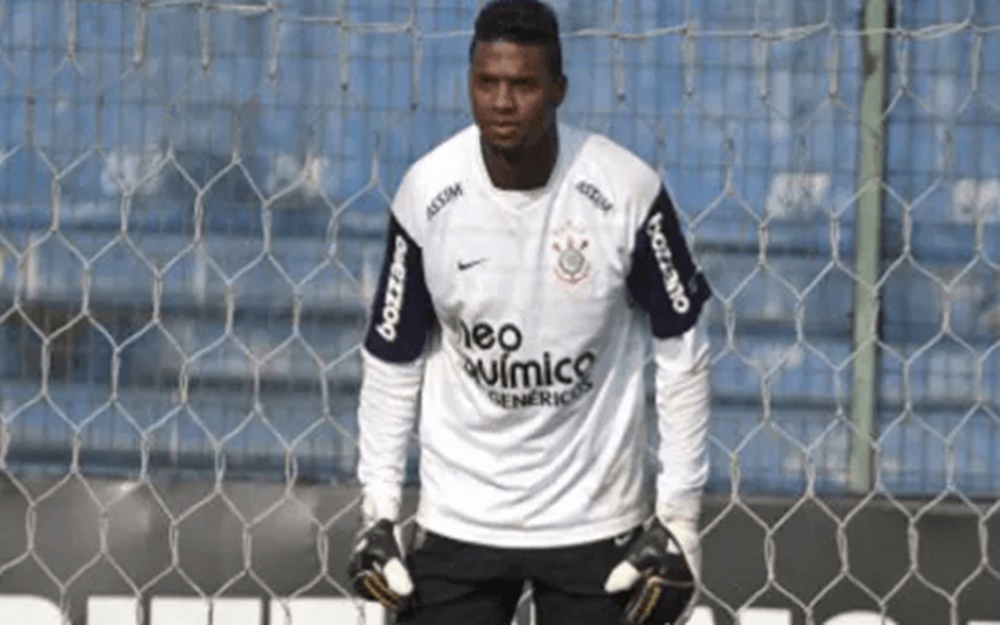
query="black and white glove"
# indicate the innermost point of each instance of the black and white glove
(659, 575)
(376, 567)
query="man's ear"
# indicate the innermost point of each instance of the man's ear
(559, 90)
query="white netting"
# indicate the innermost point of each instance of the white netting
(192, 197)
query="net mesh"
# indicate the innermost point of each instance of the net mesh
(193, 195)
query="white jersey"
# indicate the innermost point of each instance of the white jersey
(522, 319)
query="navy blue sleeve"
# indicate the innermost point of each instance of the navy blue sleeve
(664, 279)
(401, 315)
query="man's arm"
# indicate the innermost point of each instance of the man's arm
(401, 318)
(392, 369)
(663, 564)
(387, 410)
(683, 404)
(667, 283)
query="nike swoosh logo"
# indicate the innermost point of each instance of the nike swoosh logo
(469, 265)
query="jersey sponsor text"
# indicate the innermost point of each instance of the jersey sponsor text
(394, 292)
(594, 195)
(664, 260)
(511, 382)
(443, 198)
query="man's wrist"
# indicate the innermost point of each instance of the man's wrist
(680, 517)
(684, 509)
(378, 504)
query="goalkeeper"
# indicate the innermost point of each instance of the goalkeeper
(527, 264)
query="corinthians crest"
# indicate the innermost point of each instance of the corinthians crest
(570, 245)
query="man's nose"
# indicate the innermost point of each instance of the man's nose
(504, 99)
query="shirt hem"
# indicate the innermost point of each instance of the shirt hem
(516, 538)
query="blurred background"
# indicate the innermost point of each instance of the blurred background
(193, 196)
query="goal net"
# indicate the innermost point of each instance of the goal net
(193, 196)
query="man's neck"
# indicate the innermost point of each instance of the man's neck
(525, 169)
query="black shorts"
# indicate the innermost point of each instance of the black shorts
(459, 583)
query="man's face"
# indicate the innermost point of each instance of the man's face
(514, 95)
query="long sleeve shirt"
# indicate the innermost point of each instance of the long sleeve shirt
(510, 330)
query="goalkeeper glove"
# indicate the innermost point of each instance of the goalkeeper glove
(659, 575)
(376, 567)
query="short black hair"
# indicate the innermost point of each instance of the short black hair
(520, 21)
